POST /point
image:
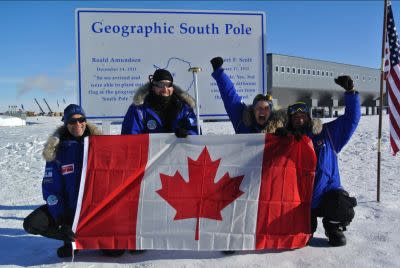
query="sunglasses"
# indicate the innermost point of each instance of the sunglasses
(73, 121)
(160, 84)
(298, 107)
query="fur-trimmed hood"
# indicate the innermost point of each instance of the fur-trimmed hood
(50, 148)
(316, 126)
(277, 119)
(143, 91)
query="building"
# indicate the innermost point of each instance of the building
(291, 79)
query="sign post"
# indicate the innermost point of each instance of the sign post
(195, 70)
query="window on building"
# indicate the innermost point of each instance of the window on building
(313, 72)
(375, 79)
(282, 69)
(357, 77)
(317, 72)
(322, 73)
(331, 74)
(298, 71)
(288, 69)
(276, 68)
(308, 71)
(304, 71)
(326, 74)
(369, 78)
(293, 70)
(363, 78)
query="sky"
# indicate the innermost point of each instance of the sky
(38, 44)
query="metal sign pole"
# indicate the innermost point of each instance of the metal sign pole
(195, 70)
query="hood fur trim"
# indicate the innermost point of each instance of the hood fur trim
(316, 124)
(143, 91)
(50, 148)
(277, 119)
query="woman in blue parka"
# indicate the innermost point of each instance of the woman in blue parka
(160, 106)
(255, 118)
(329, 199)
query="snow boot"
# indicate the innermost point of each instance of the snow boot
(334, 232)
(113, 252)
(65, 251)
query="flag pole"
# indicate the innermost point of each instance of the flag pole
(195, 70)
(378, 179)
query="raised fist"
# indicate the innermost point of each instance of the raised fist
(345, 82)
(216, 62)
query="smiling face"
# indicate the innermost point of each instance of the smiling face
(76, 125)
(262, 112)
(163, 88)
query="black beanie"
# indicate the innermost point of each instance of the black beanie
(162, 74)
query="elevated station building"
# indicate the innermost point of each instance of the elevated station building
(291, 79)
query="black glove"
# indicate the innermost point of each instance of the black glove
(281, 132)
(67, 232)
(181, 132)
(345, 82)
(297, 134)
(216, 62)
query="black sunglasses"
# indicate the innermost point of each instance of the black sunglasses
(74, 120)
(160, 84)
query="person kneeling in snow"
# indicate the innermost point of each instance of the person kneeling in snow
(329, 201)
(63, 153)
(255, 118)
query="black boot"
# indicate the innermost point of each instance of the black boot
(65, 251)
(334, 232)
(113, 252)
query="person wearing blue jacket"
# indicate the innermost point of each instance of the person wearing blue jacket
(329, 200)
(160, 106)
(63, 153)
(258, 117)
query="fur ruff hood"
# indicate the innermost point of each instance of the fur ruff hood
(316, 126)
(278, 119)
(143, 91)
(50, 148)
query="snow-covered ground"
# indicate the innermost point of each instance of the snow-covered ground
(10, 121)
(373, 236)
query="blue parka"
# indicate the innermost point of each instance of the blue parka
(141, 117)
(61, 180)
(239, 113)
(329, 142)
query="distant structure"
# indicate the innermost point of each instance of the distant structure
(40, 107)
(48, 106)
(291, 79)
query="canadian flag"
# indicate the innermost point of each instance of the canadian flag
(237, 192)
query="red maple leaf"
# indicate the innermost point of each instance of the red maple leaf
(200, 197)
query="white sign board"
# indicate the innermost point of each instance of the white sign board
(118, 49)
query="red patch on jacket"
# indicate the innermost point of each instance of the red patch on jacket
(67, 169)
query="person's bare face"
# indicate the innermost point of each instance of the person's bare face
(163, 88)
(262, 112)
(75, 127)
(299, 120)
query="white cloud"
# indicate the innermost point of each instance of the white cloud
(44, 83)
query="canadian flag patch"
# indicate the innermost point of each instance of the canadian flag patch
(67, 169)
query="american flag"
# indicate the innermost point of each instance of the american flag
(392, 72)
